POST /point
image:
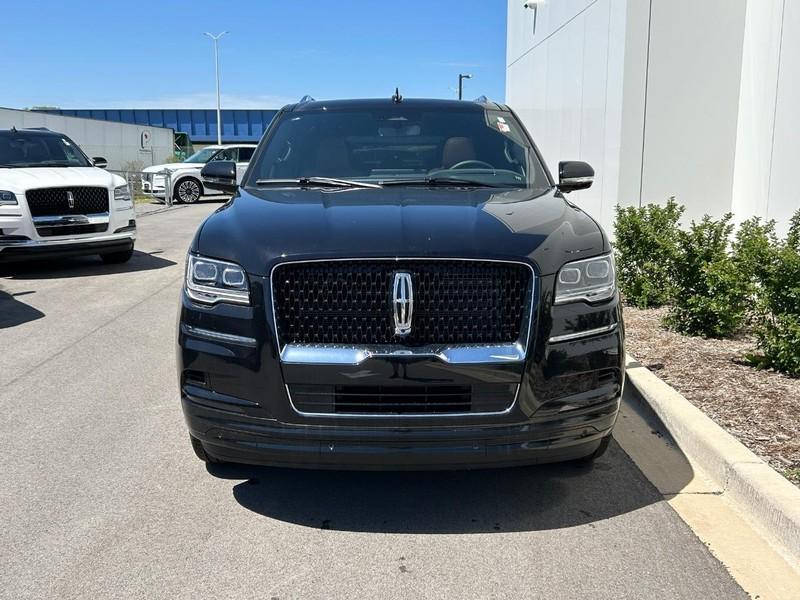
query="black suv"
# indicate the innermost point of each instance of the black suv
(399, 284)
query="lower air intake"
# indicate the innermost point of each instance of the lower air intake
(402, 399)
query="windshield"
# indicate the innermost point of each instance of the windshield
(202, 156)
(28, 149)
(401, 144)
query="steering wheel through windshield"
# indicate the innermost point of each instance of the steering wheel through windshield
(468, 164)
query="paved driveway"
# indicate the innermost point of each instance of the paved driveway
(101, 496)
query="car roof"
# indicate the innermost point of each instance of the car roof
(421, 103)
(32, 131)
(223, 146)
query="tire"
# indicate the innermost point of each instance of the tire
(188, 190)
(200, 451)
(117, 258)
(601, 449)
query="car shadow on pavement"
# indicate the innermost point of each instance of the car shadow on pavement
(482, 501)
(13, 312)
(82, 266)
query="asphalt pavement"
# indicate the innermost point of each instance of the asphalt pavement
(102, 497)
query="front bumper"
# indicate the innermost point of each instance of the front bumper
(235, 396)
(153, 184)
(236, 438)
(27, 249)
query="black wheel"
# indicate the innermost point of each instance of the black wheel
(188, 190)
(117, 258)
(200, 452)
(601, 449)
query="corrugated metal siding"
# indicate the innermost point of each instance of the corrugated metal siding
(238, 125)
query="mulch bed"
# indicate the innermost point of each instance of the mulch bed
(760, 408)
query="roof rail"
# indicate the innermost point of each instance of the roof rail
(482, 100)
(305, 99)
(37, 128)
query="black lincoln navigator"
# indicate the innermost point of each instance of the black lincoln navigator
(399, 284)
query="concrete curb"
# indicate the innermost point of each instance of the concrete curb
(767, 499)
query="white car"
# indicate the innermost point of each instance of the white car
(187, 185)
(55, 201)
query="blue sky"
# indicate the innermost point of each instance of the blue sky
(91, 54)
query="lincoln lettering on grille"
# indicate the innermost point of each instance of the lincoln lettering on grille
(351, 302)
(47, 202)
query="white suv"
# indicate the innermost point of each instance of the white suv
(56, 202)
(187, 185)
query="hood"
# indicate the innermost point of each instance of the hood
(173, 167)
(19, 180)
(259, 228)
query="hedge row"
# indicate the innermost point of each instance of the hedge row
(714, 281)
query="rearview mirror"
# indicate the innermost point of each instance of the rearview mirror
(220, 175)
(574, 175)
(99, 162)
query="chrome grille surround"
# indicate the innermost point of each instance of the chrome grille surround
(353, 354)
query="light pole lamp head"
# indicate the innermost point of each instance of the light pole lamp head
(216, 37)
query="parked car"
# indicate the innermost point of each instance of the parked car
(56, 202)
(400, 284)
(187, 184)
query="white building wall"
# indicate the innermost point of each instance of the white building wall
(119, 143)
(565, 81)
(692, 103)
(784, 197)
(664, 98)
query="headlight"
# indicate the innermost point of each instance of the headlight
(209, 281)
(7, 198)
(122, 194)
(592, 280)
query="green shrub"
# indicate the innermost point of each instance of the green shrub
(754, 248)
(710, 292)
(645, 250)
(793, 238)
(778, 326)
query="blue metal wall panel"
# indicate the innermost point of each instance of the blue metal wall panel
(238, 125)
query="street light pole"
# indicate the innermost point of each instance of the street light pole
(461, 78)
(216, 67)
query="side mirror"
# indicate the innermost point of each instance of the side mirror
(99, 162)
(220, 175)
(574, 175)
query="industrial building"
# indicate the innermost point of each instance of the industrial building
(200, 125)
(696, 100)
(125, 146)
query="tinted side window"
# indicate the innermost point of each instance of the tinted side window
(227, 154)
(245, 154)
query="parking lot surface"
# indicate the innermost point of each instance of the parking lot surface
(102, 497)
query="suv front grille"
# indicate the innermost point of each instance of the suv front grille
(350, 302)
(47, 202)
(402, 399)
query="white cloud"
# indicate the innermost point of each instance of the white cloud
(198, 100)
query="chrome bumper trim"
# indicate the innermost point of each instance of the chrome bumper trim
(218, 336)
(351, 355)
(567, 337)
(67, 220)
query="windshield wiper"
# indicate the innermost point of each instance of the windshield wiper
(318, 181)
(440, 181)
